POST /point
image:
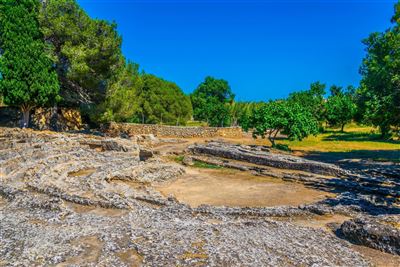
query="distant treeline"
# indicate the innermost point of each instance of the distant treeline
(53, 53)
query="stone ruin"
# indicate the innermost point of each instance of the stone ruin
(83, 200)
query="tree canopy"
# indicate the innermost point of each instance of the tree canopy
(53, 52)
(211, 100)
(282, 116)
(94, 74)
(340, 107)
(28, 77)
(121, 102)
(87, 51)
(311, 99)
(380, 85)
(162, 101)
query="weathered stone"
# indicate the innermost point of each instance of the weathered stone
(55, 119)
(131, 129)
(260, 157)
(145, 154)
(188, 161)
(63, 201)
(372, 233)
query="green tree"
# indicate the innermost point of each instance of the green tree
(336, 90)
(87, 51)
(240, 112)
(162, 101)
(379, 94)
(282, 117)
(312, 100)
(340, 107)
(121, 103)
(28, 77)
(211, 101)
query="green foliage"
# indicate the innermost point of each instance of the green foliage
(340, 107)
(161, 101)
(178, 159)
(379, 94)
(87, 51)
(312, 100)
(285, 117)
(28, 78)
(196, 123)
(197, 164)
(240, 112)
(282, 147)
(203, 165)
(211, 102)
(121, 103)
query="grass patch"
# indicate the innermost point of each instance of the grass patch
(355, 138)
(282, 147)
(178, 159)
(199, 164)
(196, 163)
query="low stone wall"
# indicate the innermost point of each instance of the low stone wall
(132, 129)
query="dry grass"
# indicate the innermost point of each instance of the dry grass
(355, 138)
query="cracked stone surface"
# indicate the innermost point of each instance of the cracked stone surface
(81, 200)
(260, 156)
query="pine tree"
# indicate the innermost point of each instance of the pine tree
(28, 77)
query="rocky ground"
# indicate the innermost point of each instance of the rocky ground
(84, 200)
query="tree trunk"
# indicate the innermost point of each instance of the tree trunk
(384, 131)
(342, 130)
(271, 138)
(25, 116)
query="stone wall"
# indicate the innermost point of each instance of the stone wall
(56, 119)
(131, 129)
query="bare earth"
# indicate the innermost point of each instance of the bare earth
(223, 187)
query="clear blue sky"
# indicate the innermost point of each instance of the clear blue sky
(265, 49)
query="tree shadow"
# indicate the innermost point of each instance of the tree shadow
(370, 198)
(359, 159)
(356, 136)
(374, 190)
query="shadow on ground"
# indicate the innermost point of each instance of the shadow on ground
(357, 158)
(358, 137)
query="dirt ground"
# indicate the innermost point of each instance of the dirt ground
(228, 187)
(224, 187)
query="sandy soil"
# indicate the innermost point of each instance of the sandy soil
(378, 258)
(225, 187)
